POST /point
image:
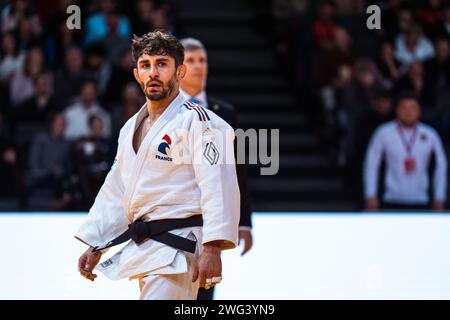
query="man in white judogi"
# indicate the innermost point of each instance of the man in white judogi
(174, 161)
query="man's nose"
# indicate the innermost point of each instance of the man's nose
(153, 72)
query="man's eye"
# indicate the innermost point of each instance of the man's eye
(161, 64)
(145, 65)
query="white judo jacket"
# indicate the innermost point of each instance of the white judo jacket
(185, 166)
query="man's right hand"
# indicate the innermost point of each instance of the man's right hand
(372, 203)
(87, 263)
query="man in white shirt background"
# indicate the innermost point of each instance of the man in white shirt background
(77, 115)
(413, 46)
(407, 146)
(193, 85)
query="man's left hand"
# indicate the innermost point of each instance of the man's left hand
(209, 267)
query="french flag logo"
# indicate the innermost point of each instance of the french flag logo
(165, 144)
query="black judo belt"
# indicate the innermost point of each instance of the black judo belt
(158, 230)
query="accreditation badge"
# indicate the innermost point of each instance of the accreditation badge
(409, 165)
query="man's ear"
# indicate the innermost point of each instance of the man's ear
(136, 75)
(181, 71)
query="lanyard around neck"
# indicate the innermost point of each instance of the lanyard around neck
(407, 144)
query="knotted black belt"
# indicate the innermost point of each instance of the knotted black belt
(158, 230)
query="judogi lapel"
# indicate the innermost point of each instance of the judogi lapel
(143, 152)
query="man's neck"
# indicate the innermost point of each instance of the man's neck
(156, 108)
(88, 104)
(407, 125)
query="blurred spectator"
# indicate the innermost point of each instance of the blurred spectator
(437, 69)
(405, 20)
(413, 46)
(60, 40)
(414, 80)
(335, 63)
(430, 15)
(97, 24)
(69, 77)
(143, 21)
(160, 17)
(388, 66)
(284, 24)
(334, 70)
(131, 101)
(395, 18)
(11, 60)
(358, 93)
(444, 29)
(285, 8)
(91, 158)
(51, 12)
(22, 83)
(150, 15)
(77, 115)
(16, 12)
(9, 170)
(380, 111)
(39, 107)
(357, 96)
(324, 27)
(407, 146)
(27, 37)
(97, 67)
(114, 44)
(121, 74)
(48, 162)
(348, 8)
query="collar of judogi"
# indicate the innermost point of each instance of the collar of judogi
(143, 112)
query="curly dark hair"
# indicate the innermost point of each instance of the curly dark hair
(157, 43)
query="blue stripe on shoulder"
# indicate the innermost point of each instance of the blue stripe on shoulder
(206, 113)
(198, 113)
(195, 103)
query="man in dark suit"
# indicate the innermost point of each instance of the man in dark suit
(193, 86)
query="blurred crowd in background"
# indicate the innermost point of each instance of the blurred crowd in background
(64, 94)
(347, 77)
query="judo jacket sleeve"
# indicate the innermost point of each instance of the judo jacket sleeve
(212, 154)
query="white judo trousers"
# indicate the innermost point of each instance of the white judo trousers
(171, 286)
(185, 166)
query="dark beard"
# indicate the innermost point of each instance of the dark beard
(159, 96)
